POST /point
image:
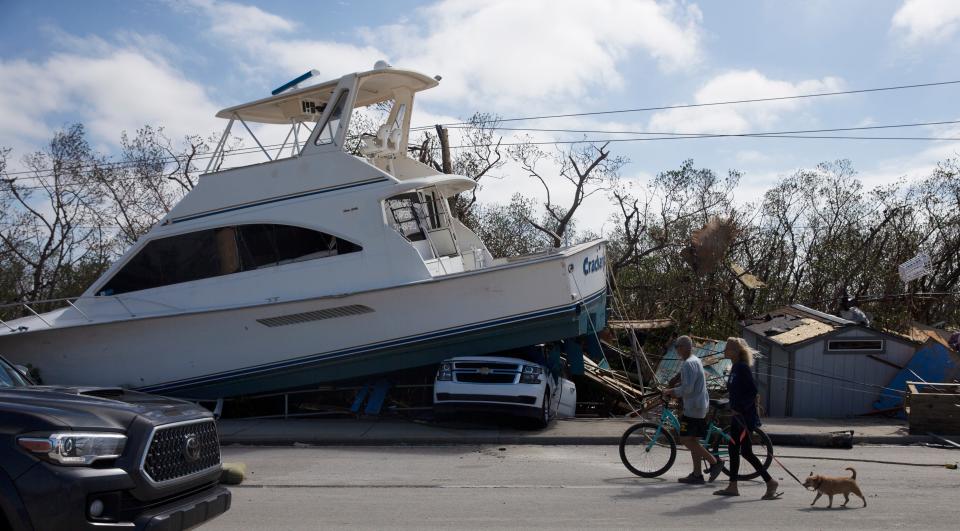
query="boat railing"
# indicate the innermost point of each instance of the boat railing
(77, 303)
(292, 146)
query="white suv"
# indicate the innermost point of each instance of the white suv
(510, 385)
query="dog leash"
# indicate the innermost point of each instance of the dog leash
(743, 435)
(787, 470)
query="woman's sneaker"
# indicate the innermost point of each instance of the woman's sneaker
(692, 479)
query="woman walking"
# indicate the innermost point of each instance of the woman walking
(743, 403)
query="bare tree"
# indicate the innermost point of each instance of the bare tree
(668, 209)
(589, 169)
(478, 152)
(150, 177)
(47, 223)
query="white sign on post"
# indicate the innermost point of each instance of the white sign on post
(916, 267)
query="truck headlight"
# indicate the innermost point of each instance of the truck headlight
(530, 374)
(69, 448)
(445, 374)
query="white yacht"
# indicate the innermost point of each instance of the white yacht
(314, 265)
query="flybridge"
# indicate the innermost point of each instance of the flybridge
(318, 115)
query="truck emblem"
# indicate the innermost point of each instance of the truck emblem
(191, 448)
(484, 370)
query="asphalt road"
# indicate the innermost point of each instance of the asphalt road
(568, 487)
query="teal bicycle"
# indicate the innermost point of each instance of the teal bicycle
(649, 449)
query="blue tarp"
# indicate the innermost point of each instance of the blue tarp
(933, 362)
(710, 353)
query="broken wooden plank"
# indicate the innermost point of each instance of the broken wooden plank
(746, 278)
(644, 324)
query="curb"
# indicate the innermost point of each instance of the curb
(810, 440)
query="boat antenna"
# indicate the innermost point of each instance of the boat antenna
(294, 83)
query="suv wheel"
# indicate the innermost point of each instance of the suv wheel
(544, 411)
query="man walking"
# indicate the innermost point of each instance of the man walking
(693, 426)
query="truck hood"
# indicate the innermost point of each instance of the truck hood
(96, 408)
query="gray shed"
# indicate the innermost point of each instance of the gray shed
(817, 365)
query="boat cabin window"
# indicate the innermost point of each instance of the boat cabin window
(222, 251)
(329, 131)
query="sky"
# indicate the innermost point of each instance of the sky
(119, 65)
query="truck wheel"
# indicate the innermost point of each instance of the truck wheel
(544, 411)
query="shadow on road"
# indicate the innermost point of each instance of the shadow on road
(632, 481)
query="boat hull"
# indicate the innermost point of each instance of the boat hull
(292, 344)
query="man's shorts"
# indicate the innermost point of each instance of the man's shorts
(691, 427)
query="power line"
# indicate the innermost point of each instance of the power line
(709, 104)
(649, 136)
(744, 135)
(799, 131)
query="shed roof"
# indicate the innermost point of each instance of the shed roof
(795, 324)
(921, 333)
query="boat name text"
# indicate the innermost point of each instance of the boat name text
(592, 266)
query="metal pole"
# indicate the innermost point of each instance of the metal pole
(27, 306)
(280, 151)
(255, 139)
(118, 299)
(295, 148)
(79, 310)
(220, 144)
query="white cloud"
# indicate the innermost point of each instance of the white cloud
(924, 21)
(239, 21)
(501, 54)
(742, 118)
(915, 165)
(109, 88)
(526, 51)
(267, 43)
(751, 156)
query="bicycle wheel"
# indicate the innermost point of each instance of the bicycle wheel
(645, 452)
(762, 448)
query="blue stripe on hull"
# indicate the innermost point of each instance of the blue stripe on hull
(425, 349)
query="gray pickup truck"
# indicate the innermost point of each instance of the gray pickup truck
(104, 458)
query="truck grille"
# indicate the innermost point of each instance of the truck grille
(476, 377)
(491, 366)
(181, 450)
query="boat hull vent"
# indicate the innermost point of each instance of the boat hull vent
(316, 315)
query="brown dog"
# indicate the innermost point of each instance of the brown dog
(831, 486)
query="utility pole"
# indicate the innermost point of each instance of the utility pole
(447, 165)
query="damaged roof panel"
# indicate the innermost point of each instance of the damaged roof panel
(794, 324)
(805, 329)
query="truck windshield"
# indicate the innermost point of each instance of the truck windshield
(10, 377)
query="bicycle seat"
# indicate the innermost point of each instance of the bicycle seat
(720, 403)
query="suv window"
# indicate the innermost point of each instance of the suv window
(222, 251)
